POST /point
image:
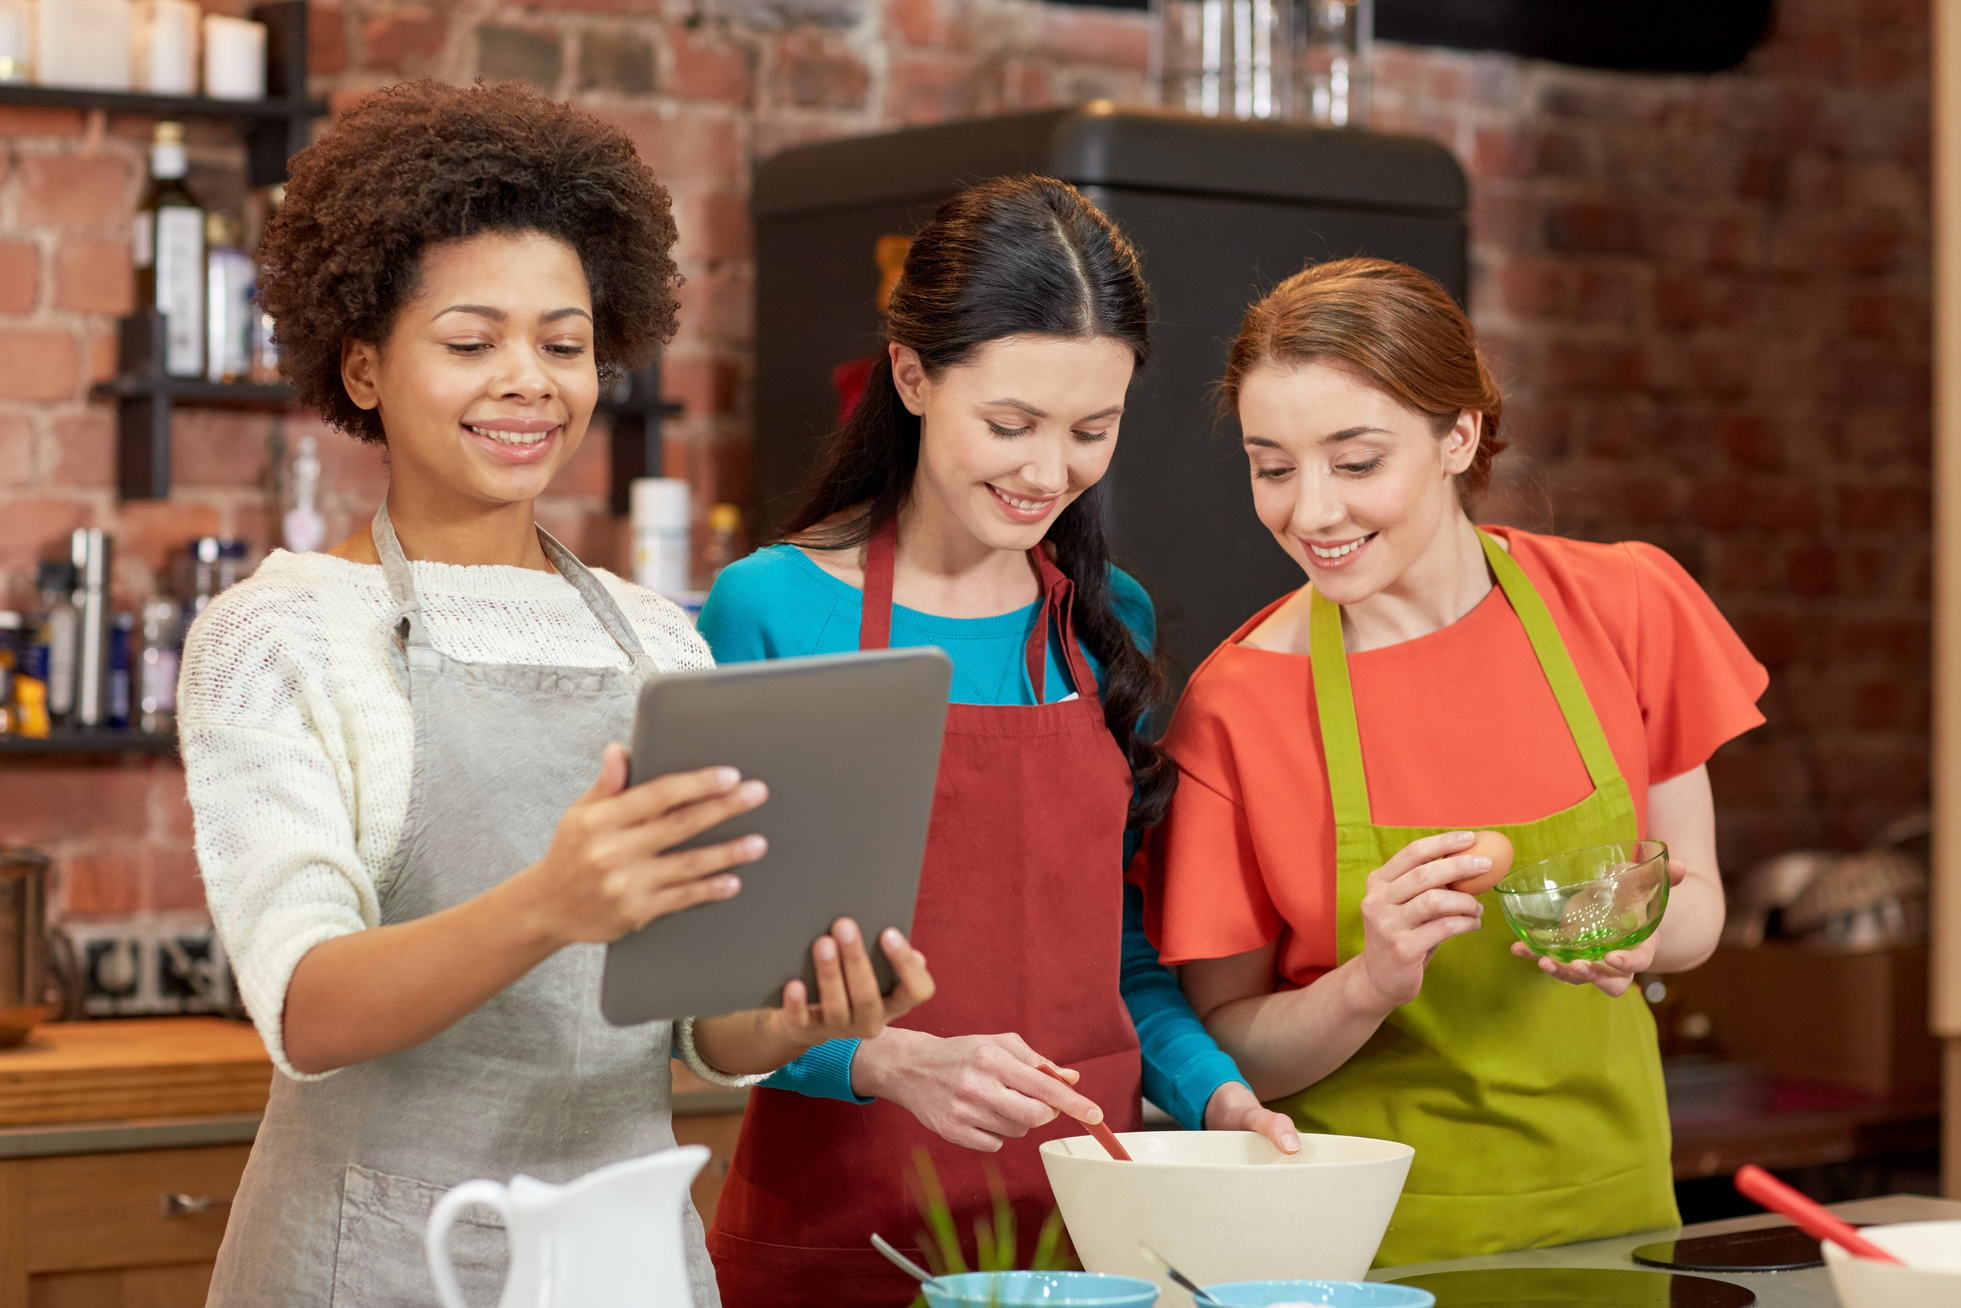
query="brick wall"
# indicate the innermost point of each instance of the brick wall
(1708, 296)
(1709, 299)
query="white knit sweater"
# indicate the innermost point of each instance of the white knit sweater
(298, 739)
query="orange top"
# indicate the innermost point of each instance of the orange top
(1459, 728)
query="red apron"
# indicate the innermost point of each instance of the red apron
(1020, 916)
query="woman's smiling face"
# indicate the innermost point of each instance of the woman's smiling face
(1353, 485)
(487, 381)
(1011, 438)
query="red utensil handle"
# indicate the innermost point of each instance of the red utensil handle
(1753, 1182)
(1104, 1135)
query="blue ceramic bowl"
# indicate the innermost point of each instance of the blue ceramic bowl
(1334, 1294)
(1047, 1289)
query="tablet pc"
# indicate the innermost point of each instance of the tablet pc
(850, 747)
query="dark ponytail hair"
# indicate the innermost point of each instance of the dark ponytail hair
(1021, 256)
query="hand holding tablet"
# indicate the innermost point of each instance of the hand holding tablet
(849, 1004)
(848, 747)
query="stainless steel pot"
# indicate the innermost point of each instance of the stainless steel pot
(28, 994)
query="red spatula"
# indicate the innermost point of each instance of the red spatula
(1104, 1135)
(1753, 1182)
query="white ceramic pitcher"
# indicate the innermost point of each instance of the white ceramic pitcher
(611, 1238)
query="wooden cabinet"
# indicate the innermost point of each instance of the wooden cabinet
(83, 1221)
(91, 1230)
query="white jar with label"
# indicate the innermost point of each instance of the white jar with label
(662, 519)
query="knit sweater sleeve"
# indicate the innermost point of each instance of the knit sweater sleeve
(271, 776)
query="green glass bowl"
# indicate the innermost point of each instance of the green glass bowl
(1587, 903)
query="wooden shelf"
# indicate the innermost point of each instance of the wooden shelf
(159, 106)
(274, 128)
(191, 390)
(71, 743)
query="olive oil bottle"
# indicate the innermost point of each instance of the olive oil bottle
(168, 251)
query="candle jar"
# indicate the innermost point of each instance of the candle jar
(165, 52)
(16, 41)
(1223, 58)
(1330, 63)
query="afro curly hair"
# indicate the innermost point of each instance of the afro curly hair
(422, 163)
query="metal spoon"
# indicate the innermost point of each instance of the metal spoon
(1185, 1282)
(903, 1263)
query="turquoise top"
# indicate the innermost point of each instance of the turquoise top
(777, 603)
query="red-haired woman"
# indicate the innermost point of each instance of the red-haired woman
(1337, 752)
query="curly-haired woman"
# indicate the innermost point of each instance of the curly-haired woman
(414, 830)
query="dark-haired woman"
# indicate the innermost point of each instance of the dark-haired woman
(1432, 678)
(958, 507)
(414, 829)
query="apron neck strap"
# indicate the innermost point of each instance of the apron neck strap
(411, 630)
(875, 620)
(1555, 662)
(408, 627)
(881, 560)
(1334, 702)
(1334, 698)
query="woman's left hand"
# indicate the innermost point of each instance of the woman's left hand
(849, 1005)
(1233, 1107)
(1613, 974)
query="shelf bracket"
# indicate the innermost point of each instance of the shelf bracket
(142, 419)
(271, 142)
(638, 413)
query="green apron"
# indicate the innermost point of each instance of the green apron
(1535, 1107)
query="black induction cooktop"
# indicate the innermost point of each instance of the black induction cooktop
(1768, 1249)
(1578, 1287)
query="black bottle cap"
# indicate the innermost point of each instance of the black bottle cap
(55, 575)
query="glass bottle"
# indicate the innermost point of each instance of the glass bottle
(724, 529)
(1223, 58)
(10, 632)
(122, 642)
(93, 552)
(229, 314)
(156, 668)
(51, 654)
(167, 248)
(1332, 51)
(265, 350)
(304, 527)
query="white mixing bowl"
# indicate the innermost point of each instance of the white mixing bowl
(1930, 1279)
(1227, 1205)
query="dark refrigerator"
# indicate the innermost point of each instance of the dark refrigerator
(1219, 210)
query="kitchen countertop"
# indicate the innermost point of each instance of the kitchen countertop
(105, 1086)
(1811, 1288)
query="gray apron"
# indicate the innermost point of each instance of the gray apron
(333, 1202)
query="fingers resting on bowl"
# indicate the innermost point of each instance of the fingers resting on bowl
(1234, 1107)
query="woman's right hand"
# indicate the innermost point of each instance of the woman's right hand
(612, 866)
(977, 1091)
(1408, 909)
